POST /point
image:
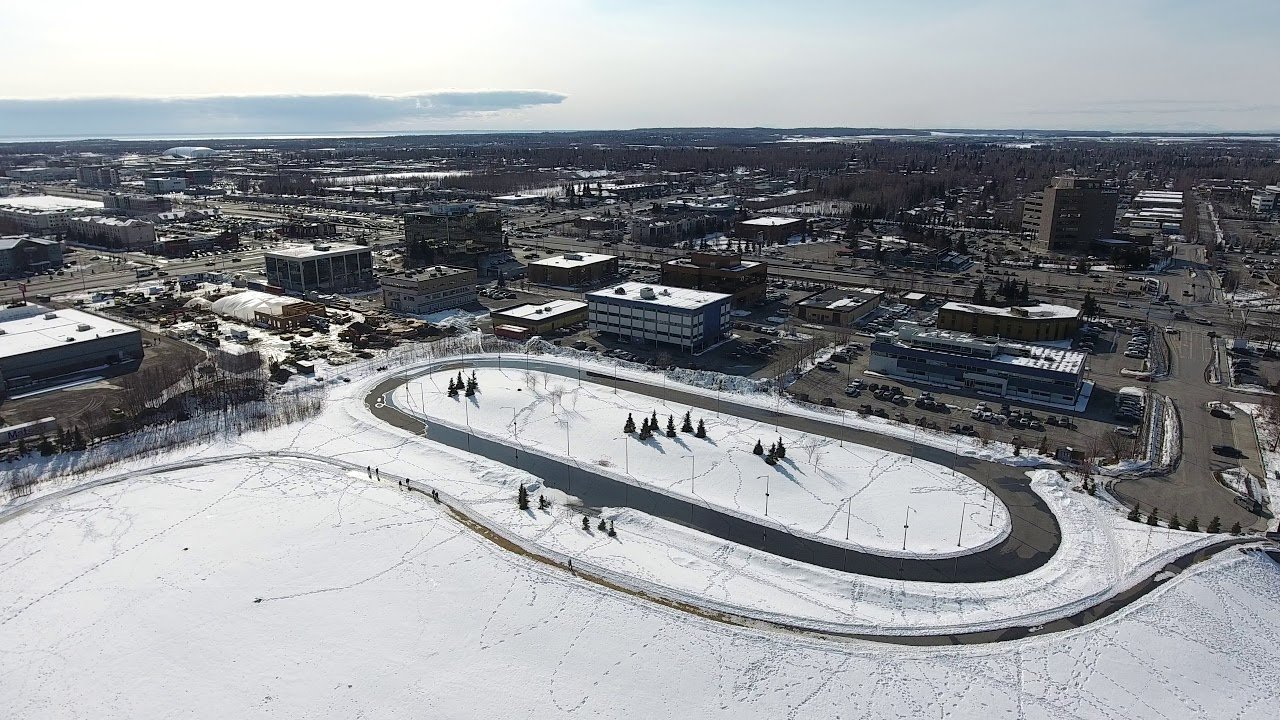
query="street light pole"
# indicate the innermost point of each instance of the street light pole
(766, 493)
(691, 471)
(906, 524)
(963, 508)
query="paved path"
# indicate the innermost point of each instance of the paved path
(1032, 541)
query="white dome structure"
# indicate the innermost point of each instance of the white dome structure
(243, 306)
(190, 151)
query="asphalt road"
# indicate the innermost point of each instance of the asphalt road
(1033, 540)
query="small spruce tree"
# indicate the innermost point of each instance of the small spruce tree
(671, 427)
(771, 458)
(1236, 529)
(781, 451)
(522, 498)
(1193, 525)
(46, 448)
(630, 425)
(601, 526)
(701, 432)
(1135, 514)
(77, 439)
(1215, 525)
(453, 389)
(759, 448)
(1174, 523)
(612, 532)
(653, 421)
(1153, 517)
(461, 383)
(687, 426)
(586, 524)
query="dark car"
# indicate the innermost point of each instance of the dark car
(1227, 450)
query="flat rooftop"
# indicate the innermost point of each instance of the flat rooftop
(543, 311)
(106, 220)
(739, 266)
(837, 298)
(572, 260)
(659, 295)
(771, 221)
(426, 273)
(298, 252)
(1043, 311)
(1005, 352)
(48, 202)
(27, 329)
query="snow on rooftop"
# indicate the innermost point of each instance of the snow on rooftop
(31, 328)
(48, 202)
(535, 311)
(571, 260)
(1042, 311)
(771, 221)
(316, 250)
(662, 295)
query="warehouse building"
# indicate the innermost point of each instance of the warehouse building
(323, 267)
(525, 321)
(998, 368)
(573, 270)
(719, 271)
(691, 320)
(429, 290)
(1035, 323)
(838, 307)
(38, 345)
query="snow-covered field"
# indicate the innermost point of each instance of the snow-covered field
(846, 494)
(256, 588)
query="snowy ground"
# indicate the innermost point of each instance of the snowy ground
(1101, 554)
(822, 488)
(266, 589)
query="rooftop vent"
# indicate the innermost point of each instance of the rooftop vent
(619, 290)
(666, 291)
(321, 247)
(82, 327)
(50, 316)
(647, 294)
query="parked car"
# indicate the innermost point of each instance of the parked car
(1227, 451)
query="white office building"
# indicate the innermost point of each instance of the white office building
(691, 320)
(323, 267)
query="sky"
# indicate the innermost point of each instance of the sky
(135, 67)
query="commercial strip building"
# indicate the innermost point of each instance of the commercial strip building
(323, 267)
(838, 306)
(1034, 323)
(21, 254)
(427, 290)
(573, 270)
(111, 232)
(771, 230)
(1071, 214)
(999, 368)
(38, 344)
(525, 321)
(691, 320)
(719, 271)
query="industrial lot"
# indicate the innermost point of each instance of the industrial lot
(1089, 318)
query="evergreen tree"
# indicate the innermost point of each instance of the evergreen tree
(758, 449)
(1089, 306)
(612, 532)
(1153, 517)
(77, 440)
(586, 524)
(1135, 515)
(22, 448)
(630, 425)
(653, 421)
(687, 426)
(646, 432)
(63, 440)
(1236, 529)
(461, 383)
(522, 498)
(470, 391)
(472, 380)
(1215, 525)
(781, 451)
(46, 447)
(701, 432)
(771, 458)
(453, 389)
(1025, 292)
(671, 427)
(543, 502)
(601, 526)
(980, 292)
(1174, 523)
(1193, 525)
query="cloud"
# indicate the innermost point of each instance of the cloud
(222, 114)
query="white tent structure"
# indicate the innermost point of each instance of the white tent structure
(244, 306)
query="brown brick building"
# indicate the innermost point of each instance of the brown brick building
(721, 272)
(573, 270)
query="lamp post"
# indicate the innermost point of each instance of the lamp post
(848, 519)
(691, 471)
(766, 493)
(963, 508)
(906, 524)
